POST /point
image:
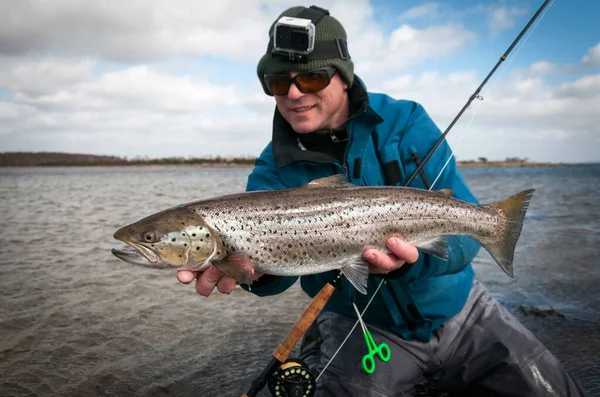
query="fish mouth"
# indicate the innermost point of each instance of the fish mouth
(137, 257)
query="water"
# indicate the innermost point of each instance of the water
(77, 321)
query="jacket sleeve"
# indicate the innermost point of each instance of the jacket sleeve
(421, 134)
(264, 177)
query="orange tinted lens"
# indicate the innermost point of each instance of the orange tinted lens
(312, 81)
(278, 85)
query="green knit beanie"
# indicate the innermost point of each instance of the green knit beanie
(327, 29)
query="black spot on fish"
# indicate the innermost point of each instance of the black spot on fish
(197, 248)
(184, 244)
(193, 234)
(173, 239)
(207, 235)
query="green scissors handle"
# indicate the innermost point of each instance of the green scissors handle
(382, 351)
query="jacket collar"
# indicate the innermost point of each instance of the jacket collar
(286, 148)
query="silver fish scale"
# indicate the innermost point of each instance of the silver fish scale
(319, 229)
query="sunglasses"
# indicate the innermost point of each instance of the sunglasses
(307, 82)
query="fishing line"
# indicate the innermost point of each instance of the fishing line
(351, 331)
(475, 96)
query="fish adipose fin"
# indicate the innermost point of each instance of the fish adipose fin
(236, 265)
(436, 246)
(514, 209)
(358, 274)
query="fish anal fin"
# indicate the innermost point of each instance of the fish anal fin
(337, 180)
(238, 266)
(433, 245)
(357, 274)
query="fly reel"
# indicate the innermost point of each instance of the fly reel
(292, 379)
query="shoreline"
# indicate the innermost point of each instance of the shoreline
(460, 164)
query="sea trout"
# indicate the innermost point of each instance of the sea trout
(325, 225)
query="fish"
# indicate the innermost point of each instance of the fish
(324, 225)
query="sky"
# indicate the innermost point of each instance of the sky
(158, 78)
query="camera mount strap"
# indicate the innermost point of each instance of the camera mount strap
(313, 13)
(323, 49)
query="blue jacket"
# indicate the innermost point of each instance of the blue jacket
(386, 139)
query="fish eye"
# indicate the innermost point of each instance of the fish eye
(149, 237)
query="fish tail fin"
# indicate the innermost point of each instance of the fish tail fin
(358, 274)
(237, 266)
(514, 209)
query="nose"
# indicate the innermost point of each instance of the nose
(294, 92)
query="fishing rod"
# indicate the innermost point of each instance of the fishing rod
(291, 377)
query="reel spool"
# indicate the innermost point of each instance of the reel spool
(292, 379)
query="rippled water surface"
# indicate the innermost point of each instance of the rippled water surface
(76, 321)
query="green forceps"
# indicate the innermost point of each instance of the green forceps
(382, 351)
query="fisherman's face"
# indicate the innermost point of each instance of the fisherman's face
(325, 109)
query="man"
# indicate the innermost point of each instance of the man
(438, 321)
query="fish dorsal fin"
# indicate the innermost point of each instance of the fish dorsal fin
(446, 192)
(337, 180)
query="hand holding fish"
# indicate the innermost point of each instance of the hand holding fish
(207, 280)
(401, 253)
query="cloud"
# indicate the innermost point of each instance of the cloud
(522, 115)
(592, 58)
(420, 11)
(146, 111)
(502, 18)
(135, 32)
(408, 46)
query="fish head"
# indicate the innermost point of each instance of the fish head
(175, 238)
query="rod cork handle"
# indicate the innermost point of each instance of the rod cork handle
(310, 314)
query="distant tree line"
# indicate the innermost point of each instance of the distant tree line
(56, 159)
(43, 159)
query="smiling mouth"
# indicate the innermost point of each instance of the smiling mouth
(303, 109)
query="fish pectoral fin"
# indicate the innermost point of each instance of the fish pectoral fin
(358, 275)
(436, 246)
(236, 265)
